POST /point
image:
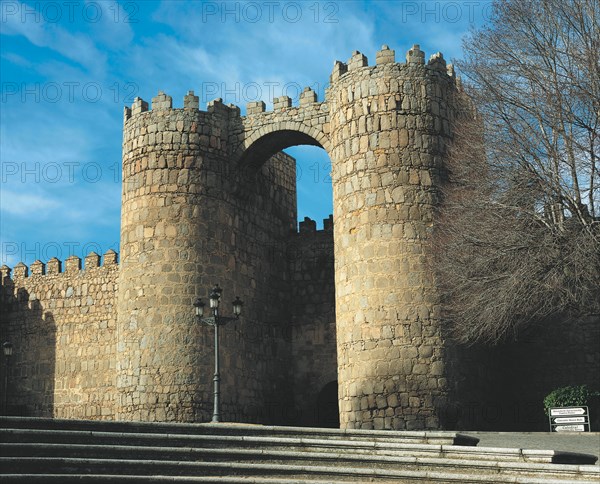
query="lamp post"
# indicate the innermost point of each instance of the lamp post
(216, 320)
(7, 349)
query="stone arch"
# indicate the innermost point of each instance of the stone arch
(263, 136)
(263, 142)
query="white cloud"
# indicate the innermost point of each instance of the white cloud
(74, 46)
(278, 48)
(113, 28)
(243, 61)
(15, 203)
(16, 59)
(50, 220)
(176, 50)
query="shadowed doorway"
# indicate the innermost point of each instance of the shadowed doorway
(326, 411)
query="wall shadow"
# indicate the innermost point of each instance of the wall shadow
(28, 376)
(327, 412)
(502, 388)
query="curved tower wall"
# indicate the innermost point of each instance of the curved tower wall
(389, 128)
(183, 229)
(193, 216)
(171, 162)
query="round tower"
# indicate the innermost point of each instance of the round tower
(389, 129)
(190, 219)
(175, 243)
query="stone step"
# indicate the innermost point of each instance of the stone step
(168, 457)
(208, 441)
(453, 472)
(117, 479)
(233, 429)
(412, 477)
(147, 452)
(44, 444)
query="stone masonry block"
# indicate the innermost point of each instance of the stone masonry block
(385, 56)
(308, 226)
(139, 106)
(92, 260)
(437, 62)
(21, 270)
(308, 96)
(53, 266)
(4, 273)
(162, 101)
(339, 69)
(415, 56)
(255, 107)
(73, 263)
(37, 268)
(357, 61)
(191, 101)
(282, 102)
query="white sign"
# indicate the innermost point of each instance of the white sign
(569, 419)
(570, 428)
(567, 411)
(562, 420)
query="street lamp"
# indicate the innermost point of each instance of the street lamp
(216, 320)
(7, 349)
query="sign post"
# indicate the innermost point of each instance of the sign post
(569, 419)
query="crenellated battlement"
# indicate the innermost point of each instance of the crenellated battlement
(72, 265)
(387, 57)
(62, 322)
(307, 98)
(308, 226)
(163, 103)
(208, 196)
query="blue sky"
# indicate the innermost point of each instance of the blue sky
(67, 68)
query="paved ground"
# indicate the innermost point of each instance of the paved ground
(587, 443)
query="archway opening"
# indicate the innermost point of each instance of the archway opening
(314, 358)
(313, 183)
(306, 355)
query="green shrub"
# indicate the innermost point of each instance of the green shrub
(571, 396)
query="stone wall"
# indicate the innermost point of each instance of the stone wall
(312, 302)
(390, 124)
(62, 326)
(502, 387)
(190, 220)
(209, 199)
(204, 203)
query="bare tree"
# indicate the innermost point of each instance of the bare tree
(519, 238)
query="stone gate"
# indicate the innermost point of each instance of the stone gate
(209, 197)
(204, 201)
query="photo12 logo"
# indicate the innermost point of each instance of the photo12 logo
(24, 251)
(59, 172)
(239, 93)
(68, 91)
(254, 12)
(68, 11)
(446, 11)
